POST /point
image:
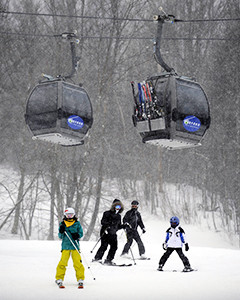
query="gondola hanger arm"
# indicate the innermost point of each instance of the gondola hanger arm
(161, 18)
(71, 36)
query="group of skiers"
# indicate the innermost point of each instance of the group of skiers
(111, 223)
(70, 231)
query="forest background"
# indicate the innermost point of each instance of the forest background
(42, 179)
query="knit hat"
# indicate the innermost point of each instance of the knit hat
(116, 200)
(135, 202)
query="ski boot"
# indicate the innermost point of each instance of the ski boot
(160, 268)
(96, 260)
(80, 284)
(109, 262)
(187, 269)
(144, 257)
(59, 282)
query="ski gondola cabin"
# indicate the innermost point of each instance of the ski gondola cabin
(59, 112)
(171, 111)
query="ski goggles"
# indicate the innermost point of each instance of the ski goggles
(69, 216)
(118, 207)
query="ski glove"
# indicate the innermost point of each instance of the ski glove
(106, 231)
(62, 228)
(164, 245)
(126, 225)
(186, 247)
(75, 235)
(143, 230)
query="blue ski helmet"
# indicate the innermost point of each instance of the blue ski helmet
(174, 221)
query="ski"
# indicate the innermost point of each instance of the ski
(192, 270)
(120, 265)
(61, 286)
(138, 258)
(149, 93)
(141, 101)
(116, 265)
(137, 108)
(147, 99)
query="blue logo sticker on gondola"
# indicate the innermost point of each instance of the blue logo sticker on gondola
(191, 123)
(75, 122)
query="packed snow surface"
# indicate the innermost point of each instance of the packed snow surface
(28, 270)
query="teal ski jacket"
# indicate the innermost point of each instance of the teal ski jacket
(66, 243)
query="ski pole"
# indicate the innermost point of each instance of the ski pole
(130, 249)
(132, 256)
(97, 242)
(78, 250)
(104, 232)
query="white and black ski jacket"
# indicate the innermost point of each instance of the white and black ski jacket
(175, 237)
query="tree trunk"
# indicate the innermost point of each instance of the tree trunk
(18, 207)
(52, 203)
(98, 199)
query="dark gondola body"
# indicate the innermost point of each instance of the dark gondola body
(59, 112)
(178, 114)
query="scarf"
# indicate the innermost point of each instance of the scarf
(69, 222)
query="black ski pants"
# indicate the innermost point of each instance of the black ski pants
(169, 251)
(107, 239)
(133, 235)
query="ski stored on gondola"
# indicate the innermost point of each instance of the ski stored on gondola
(170, 110)
(58, 111)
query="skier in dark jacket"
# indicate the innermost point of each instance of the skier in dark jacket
(132, 220)
(175, 239)
(111, 223)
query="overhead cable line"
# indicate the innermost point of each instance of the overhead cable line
(112, 18)
(76, 16)
(208, 20)
(120, 37)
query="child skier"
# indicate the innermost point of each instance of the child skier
(175, 238)
(70, 231)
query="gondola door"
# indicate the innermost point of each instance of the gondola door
(190, 113)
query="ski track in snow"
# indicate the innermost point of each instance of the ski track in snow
(28, 270)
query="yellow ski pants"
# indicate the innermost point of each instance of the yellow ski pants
(77, 264)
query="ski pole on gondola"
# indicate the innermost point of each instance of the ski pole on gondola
(137, 108)
(78, 250)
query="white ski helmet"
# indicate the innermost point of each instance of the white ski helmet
(69, 212)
